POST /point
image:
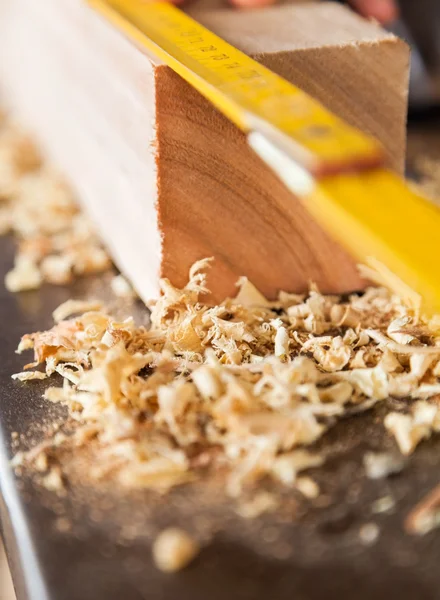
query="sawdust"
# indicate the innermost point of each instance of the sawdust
(56, 241)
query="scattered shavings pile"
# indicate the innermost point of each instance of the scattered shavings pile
(244, 387)
(56, 241)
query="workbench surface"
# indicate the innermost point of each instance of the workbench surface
(96, 544)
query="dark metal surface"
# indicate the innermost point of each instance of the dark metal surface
(95, 544)
(419, 25)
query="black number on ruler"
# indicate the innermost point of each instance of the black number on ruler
(208, 49)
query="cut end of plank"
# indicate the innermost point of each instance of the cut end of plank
(167, 179)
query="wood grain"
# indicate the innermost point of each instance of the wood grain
(6, 586)
(167, 178)
(232, 206)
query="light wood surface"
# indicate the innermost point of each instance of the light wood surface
(167, 178)
(6, 586)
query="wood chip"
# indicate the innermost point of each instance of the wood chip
(425, 516)
(174, 549)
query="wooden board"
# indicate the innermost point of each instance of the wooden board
(167, 178)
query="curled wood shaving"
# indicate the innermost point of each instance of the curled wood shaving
(71, 307)
(410, 429)
(426, 515)
(29, 375)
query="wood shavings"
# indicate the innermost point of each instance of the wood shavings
(55, 241)
(29, 375)
(426, 515)
(248, 295)
(246, 386)
(369, 534)
(42, 462)
(383, 505)
(174, 549)
(308, 487)
(121, 287)
(396, 331)
(382, 340)
(383, 464)
(345, 316)
(63, 525)
(286, 467)
(71, 307)
(410, 429)
(281, 341)
(378, 273)
(261, 503)
(249, 387)
(24, 276)
(53, 481)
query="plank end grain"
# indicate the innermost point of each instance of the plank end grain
(217, 198)
(166, 177)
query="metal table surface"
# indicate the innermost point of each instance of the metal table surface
(95, 544)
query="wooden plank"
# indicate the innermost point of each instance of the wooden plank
(6, 586)
(166, 177)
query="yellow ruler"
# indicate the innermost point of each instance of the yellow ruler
(338, 171)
